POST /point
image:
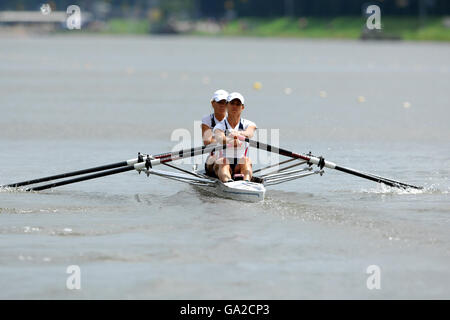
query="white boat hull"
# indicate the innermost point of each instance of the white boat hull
(237, 190)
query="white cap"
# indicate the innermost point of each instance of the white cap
(235, 95)
(219, 95)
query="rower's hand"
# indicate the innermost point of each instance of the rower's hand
(234, 140)
(233, 134)
(237, 142)
(237, 135)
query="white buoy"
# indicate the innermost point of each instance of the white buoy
(287, 91)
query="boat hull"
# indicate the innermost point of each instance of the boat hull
(237, 190)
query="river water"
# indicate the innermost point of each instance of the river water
(72, 102)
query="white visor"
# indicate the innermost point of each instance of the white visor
(235, 95)
(219, 95)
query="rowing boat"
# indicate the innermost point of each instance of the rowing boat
(248, 191)
(295, 167)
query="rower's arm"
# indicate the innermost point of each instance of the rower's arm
(249, 132)
(219, 136)
(207, 135)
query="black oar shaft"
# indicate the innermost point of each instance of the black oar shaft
(269, 148)
(68, 174)
(287, 153)
(163, 158)
(389, 182)
(182, 153)
(83, 178)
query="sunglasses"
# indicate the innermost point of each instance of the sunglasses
(236, 102)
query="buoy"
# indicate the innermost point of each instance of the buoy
(257, 85)
(287, 91)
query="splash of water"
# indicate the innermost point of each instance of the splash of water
(12, 190)
(384, 189)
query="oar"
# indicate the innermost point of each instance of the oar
(67, 174)
(104, 167)
(83, 178)
(139, 165)
(321, 162)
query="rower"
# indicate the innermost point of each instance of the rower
(209, 121)
(235, 160)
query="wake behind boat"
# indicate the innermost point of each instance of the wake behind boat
(295, 167)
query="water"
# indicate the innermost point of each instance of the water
(71, 102)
